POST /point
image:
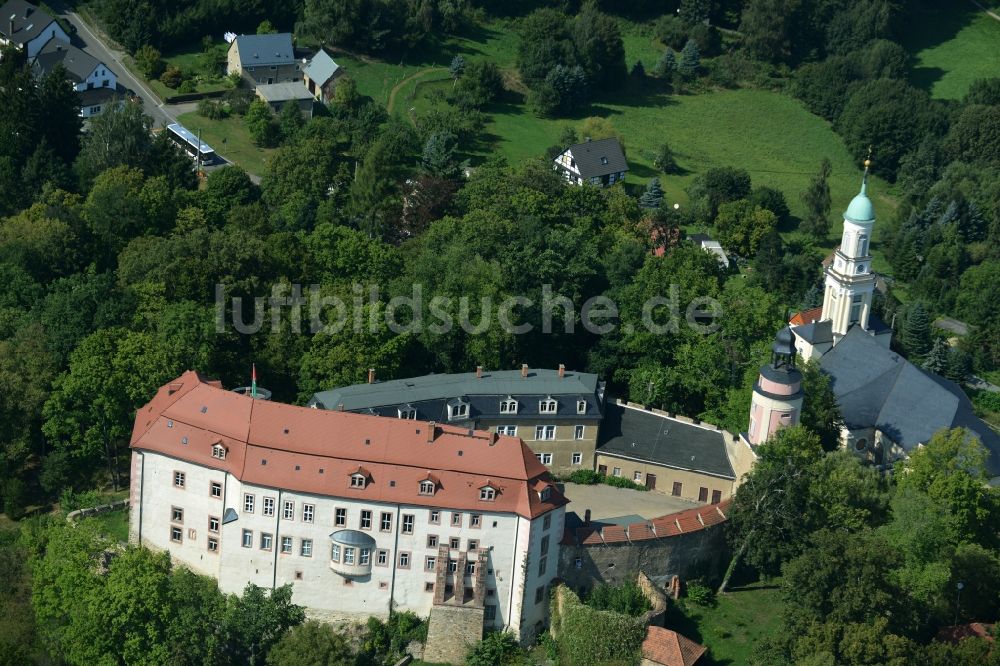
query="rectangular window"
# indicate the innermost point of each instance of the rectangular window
(385, 524)
(475, 520)
(428, 587)
(539, 594)
(213, 524)
(703, 494)
(407, 524)
(340, 518)
(617, 471)
(434, 518)
(470, 568)
(348, 555)
(216, 490)
(381, 557)
(366, 557)
(545, 545)
(176, 515)
(454, 543)
(265, 541)
(716, 496)
(637, 476)
(545, 432)
(456, 520)
(547, 522)
(248, 538)
(179, 479)
(542, 564)
(248, 501)
(286, 545)
(306, 548)
(430, 562)
(268, 509)
(335, 552)
(432, 541)
(308, 511)
(547, 406)
(366, 519)
(473, 544)
(452, 566)
(288, 510)
(544, 458)
(213, 545)
(404, 560)
(490, 612)
(579, 431)
(507, 430)
(577, 458)
(176, 534)
(676, 491)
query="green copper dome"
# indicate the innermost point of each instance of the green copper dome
(861, 208)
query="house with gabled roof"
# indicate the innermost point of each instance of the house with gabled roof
(321, 74)
(601, 163)
(95, 82)
(28, 27)
(264, 59)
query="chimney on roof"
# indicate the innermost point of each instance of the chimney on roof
(524, 370)
(586, 518)
(10, 33)
(371, 375)
(562, 371)
(431, 431)
(479, 372)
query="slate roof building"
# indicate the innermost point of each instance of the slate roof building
(670, 454)
(889, 405)
(600, 162)
(360, 514)
(264, 59)
(95, 81)
(556, 412)
(278, 94)
(321, 75)
(27, 27)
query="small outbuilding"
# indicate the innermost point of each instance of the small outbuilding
(321, 74)
(278, 94)
(664, 647)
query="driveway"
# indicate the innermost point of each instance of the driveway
(86, 39)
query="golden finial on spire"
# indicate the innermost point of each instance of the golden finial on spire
(868, 159)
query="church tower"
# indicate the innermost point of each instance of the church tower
(847, 299)
(777, 395)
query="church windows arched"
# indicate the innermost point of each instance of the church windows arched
(863, 245)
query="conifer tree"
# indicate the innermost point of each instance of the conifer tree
(939, 358)
(653, 196)
(457, 67)
(817, 200)
(690, 60)
(666, 65)
(916, 333)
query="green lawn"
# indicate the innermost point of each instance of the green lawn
(196, 66)
(954, 46)
(113, 523)
(733, 627)
(230, 139)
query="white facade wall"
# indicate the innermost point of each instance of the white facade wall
(511, 539)
(101, 77)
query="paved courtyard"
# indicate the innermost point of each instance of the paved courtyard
(608, 502)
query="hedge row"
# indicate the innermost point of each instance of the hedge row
(590, 637)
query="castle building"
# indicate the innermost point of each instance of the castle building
(556, 412)
(777, 395)
(889, 406)
(360, 514)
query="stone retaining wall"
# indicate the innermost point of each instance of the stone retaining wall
(73, 516)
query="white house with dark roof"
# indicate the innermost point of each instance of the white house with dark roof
(601, 163)
(27, 27)
(96, 83)
(264, 59)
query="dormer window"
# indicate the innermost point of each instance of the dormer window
(427, 487)
(545, 493)
(407, 412)
(508, 406)
(581, 406)
(547, 406)
(487, 494)
(219, 451)
(604, 160)
(360, 478)
(458, 410)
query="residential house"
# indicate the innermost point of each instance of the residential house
(27, 27)
(321, 75)
(556, 412)
(264, 59)
(95, 81)
(600, 163)
(278, 94)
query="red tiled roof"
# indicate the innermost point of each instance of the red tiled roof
(960, 631)
(670, 525)
(806, 316)
(669, 648)
(311, 450)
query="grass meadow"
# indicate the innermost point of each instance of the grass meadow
(229, 137)
(954, 45)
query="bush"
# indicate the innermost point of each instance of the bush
(499, 648)
(664, 160)
(187, 86)
(587, 477)
(387, 641)
(591, 636)
(701, 594)
(986, 401)
(626, 598)
(239, 100)
(213, 109)
(622, 482)
(149, 61)
(71, 501)
(672, 32)
(172, 77)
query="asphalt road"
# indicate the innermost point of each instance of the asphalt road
(92, 44)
